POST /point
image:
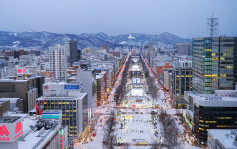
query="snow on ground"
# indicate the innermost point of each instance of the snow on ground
(134, 128)
(135, 123)
(137, 92)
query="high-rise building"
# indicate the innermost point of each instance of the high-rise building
(214, 64)
(58, 62)
(184, 49)
(72, 52)
(182, 81)
(72, 110)
(150, 48)
(210, 111)
(101, 87)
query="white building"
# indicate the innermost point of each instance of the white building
(222, 139)
(62, 89)
(58, 62)
(25, 132)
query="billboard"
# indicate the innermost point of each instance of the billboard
(10, 132)
(72, 86)
(21, 70)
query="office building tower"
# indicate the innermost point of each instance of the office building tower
(58, 62)
(150, 54)
(72, 52)
(101, 87)
(72, 110)
(182, 81)
(210, 111)
(214, 64)
(184, 49)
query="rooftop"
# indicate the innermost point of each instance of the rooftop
(211, 100)
(30, 137)
(225, 136)
(9, 119)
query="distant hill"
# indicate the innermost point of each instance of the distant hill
(45, 39)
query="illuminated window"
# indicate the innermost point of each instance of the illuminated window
(214, 58)
(207, 75)
(213, 54)
(222, 75)
(208, 50)
(229, 67)
(210, 121)
(222, 58)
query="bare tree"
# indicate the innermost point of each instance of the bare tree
(109, 138)
(169, 128)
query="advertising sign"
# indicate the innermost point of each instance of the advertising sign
(72, 86)
(10, 132)
(21, 70)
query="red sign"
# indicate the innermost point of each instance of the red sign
(18, 129)
(21, 70)
(3, 130)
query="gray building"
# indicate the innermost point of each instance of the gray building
(72, 51)
(184, 49)
(16, 104)
(4, 106)
(74, 111)
(28, 90)
(88, 79)
(182, 81)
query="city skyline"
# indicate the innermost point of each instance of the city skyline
(118, 17)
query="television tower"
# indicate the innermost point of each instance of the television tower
(212, 25)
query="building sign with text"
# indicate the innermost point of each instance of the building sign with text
(72, 86)
(10, 132)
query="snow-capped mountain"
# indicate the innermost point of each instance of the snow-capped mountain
(46, 39)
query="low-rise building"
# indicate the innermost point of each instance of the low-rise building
(222, 139)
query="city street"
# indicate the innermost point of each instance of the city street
(137, 117)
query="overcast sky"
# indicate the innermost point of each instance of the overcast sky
(185, 18)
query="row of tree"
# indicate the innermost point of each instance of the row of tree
(121, 89)
(152, 87)
(110, 138)
(169, 129)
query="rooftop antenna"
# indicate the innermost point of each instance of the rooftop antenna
(212, 25)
